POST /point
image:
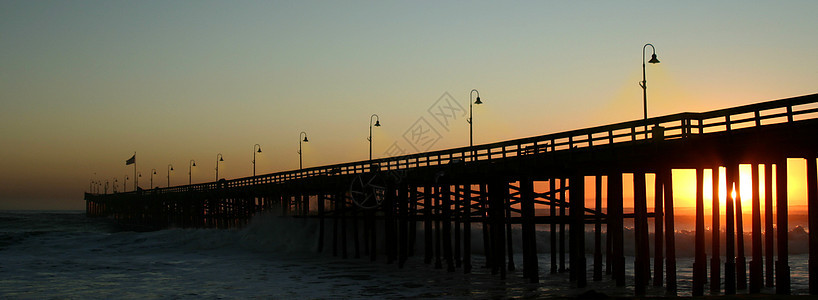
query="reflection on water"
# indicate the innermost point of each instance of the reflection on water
(72, 258)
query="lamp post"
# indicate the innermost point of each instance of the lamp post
(125, 184)
(170, 168)
(106, 186)
(470, 120)
(300, 164)
(254, 156)
(116, 181)
(377, 124)
(190, 172)
(153, 172)
(218, 159)
(644, 83)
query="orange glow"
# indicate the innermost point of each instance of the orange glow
(684, 185)
(733, 193)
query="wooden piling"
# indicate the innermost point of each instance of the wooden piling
(428, 243)
(447, 227)
(320, 207)
(412, 215)
(356, 235)
(715, 261)
(457, 215)
(389, 206)
(483, 201)
(741, 261)
(756, 280)
(615, 227)
(782, 268)
(498, 192)
(658, 237)
(373, 232)
(769, 234)
(598, 228)
(527, 208)
(700, 262)
(670, 232)
(342, 202)
(403, 225)
(467, 215)
(563, 204)
(812, 215)
(729, 239)
(437, 210)
(510, 250)
(577, 216)
(553, 230)
(642, 255)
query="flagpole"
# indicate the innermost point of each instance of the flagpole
(136, 179)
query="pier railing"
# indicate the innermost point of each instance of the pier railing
(676, 126)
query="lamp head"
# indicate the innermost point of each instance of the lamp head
(171, 168)
(194, 164)
(478, 101)
(653, 59)
(305, 138)
(154, 171)
(377, 123)
(221, 158)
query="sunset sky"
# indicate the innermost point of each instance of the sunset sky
(85, 84)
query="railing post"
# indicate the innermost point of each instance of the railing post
(789, 113)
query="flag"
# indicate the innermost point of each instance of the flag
(131, 160)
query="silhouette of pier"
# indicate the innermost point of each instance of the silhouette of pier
(538, 182)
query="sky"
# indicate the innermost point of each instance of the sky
(85, 84)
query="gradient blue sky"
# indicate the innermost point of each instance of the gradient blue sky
(84, 84)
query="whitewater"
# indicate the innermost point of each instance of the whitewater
(59, 254)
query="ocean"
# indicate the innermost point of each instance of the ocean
(63, 254)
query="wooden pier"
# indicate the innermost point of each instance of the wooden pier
(539, 182)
